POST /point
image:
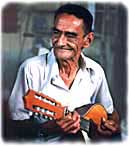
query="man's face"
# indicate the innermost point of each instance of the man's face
(68, 37)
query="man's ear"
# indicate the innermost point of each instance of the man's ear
(88, 39)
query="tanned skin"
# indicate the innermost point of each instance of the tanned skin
(68, 41)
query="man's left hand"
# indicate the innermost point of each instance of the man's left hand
(108, 128)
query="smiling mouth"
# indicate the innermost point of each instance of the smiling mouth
(68, 49)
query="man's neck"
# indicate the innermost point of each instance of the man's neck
(68, 70)
(68, 67)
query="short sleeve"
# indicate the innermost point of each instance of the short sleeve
(16, 103)
(104, 96)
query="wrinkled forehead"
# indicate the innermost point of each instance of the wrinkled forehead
(68, 21)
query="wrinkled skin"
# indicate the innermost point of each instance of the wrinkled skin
(68, 40)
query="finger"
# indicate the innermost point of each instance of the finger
(103, 120)
(111, 125)
(72, 128)
(67, 125)
(68, 116)
(75, 116)
(71, 122)
(64, 122)
(75, 125)
(73, 131)
(104, 132)
(110, 122)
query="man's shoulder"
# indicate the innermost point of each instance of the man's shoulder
(34, 61)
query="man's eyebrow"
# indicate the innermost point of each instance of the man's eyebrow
(71, 33)
(67, 32)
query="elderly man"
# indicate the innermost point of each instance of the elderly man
(69, 77)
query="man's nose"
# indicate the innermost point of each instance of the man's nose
(62, 40)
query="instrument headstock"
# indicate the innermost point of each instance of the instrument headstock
(42, 104)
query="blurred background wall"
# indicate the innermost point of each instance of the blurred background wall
(26, 32)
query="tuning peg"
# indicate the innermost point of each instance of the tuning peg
(38, 97)
(50, 118)
(38, 108)
(53, 103)
(43, 110)
(48, 112)
(46, 117)
(36, 114)
(44, 99)
(30, 113)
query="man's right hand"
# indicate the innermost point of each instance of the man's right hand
(70, 123)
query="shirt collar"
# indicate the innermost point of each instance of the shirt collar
(86, 63)
(54, 70)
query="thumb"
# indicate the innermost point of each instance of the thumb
(103, 120)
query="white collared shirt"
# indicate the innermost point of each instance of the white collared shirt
(41, 74)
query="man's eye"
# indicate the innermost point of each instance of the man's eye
(71, 36)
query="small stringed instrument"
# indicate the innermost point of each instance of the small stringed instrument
(48, 107)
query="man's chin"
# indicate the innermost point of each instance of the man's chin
(64, 55)
(64, 51)
(63, 58)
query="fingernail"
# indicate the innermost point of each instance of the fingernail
(103, 119)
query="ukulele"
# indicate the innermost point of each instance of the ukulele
(49, 108)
